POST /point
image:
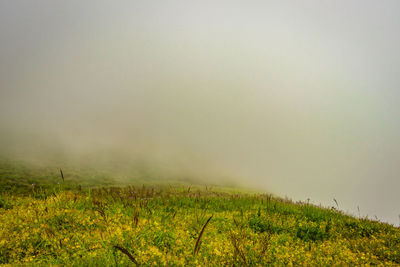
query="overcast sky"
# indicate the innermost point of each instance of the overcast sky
(298, 98)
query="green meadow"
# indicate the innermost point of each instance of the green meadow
(88, 219)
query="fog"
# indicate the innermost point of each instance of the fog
(296, 98)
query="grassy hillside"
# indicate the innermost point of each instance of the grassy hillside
(91, 222)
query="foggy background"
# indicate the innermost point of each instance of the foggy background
(297, 98)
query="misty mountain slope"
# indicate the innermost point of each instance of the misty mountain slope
(297, 98)
(148, 133)
(47, 221)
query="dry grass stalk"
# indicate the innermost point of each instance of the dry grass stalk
(235, 242)
(62, 174)
(197, 246)
(337, 205)
(136, 215)
(127, 253)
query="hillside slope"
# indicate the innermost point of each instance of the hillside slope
(45, 221)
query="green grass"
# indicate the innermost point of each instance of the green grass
(93, 220)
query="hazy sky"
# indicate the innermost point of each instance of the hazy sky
(299, 98)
